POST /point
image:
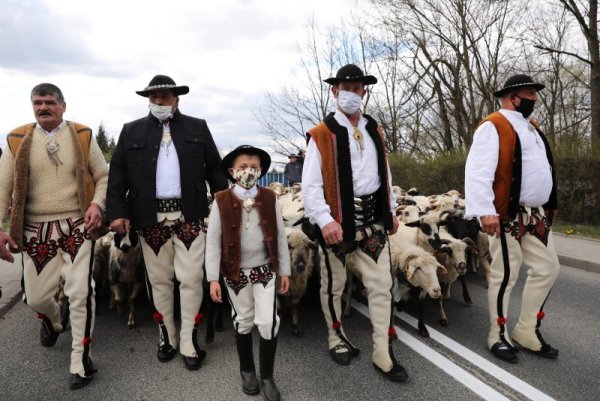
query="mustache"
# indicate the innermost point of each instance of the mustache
(44, 113)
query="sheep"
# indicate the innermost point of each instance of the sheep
(453, 256)
(423, 232)
(408, 213)
(415, 274)
(125, 272)
(303, 261)
(483, 255)
(277, 187)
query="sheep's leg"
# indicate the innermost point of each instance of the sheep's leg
(135, 288)
(473, 261)
(465, 290)
(443, 318)
(414, 293)
(295, 320)
(446, 290)
(118, 299)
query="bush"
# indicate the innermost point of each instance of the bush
(578, 176)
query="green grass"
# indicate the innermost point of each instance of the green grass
(577, 229)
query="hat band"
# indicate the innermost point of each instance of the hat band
(163, 86)
(521, 84)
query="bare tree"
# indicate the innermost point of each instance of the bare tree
(585, 14)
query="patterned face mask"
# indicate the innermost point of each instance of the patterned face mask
(247, 177)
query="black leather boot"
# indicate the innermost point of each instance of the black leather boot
(267, 363)
(247, 369)
(48, 335)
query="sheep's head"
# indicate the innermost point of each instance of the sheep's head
(420, 270)
(428, 226)
(126, 241)
(301, 251)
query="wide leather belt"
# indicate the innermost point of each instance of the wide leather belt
(366, 212)
(168, 205)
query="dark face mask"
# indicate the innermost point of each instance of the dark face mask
(526, 106)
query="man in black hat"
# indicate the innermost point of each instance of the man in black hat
(347, 193)
(510, 186)
(293, 170)
(157, 185)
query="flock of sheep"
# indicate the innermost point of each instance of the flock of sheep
(434, 247)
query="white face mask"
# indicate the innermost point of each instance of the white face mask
(349, 102)
(163, 113)
(247, 177)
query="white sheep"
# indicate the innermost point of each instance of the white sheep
(415, 274)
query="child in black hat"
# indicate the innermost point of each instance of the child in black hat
(247, 244)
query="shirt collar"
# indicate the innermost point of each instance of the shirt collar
(343, 119)
(515, 114)
(55, 130)
(244, 193)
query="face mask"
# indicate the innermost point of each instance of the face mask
(349, 102)
(526, 106)
(247, 177)
(163, 113)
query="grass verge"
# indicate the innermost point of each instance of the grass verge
(577, 229)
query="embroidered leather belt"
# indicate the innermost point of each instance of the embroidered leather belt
(366, 211)
(168, 205)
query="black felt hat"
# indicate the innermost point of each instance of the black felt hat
(227, 163)
(350, 73)
(160, 82)
(517, 82)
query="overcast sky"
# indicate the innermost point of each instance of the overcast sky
(229, 52)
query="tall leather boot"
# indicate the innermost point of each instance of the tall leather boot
(247, 369)
(267, 362)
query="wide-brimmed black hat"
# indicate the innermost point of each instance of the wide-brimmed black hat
(160, 82)
(517, 82)
(349, 73)
(227, 163)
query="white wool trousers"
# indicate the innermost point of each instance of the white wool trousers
(543, 269)
(254, 303)
(58, 249)
(169, 256)
(377, 279)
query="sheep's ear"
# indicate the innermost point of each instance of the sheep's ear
(445, 241)
(421, 214)
(442, 270)
(313, 245)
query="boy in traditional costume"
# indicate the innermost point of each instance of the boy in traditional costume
(247, 244)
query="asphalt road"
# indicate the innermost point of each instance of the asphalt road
(453, 364)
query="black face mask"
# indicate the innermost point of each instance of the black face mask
(526, 106)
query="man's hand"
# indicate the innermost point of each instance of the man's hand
(332, 233)
(284, 285)
(93, 217)
(215, 291)
(490, 225)
(120, 226)
(395, 225)
(4, 250)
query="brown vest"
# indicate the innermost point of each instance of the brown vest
(230, 210)
(507, 180)
(337, 194)
(22, 136)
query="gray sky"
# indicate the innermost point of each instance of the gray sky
(229, 52)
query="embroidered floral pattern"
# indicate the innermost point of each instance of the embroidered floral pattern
(237, 285)
(187, 232)
(261, 274)
(373, 244)
(41, 252)
(156, 236)
(538, 226)
(71, 242)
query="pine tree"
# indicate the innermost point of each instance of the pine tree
(107, 147)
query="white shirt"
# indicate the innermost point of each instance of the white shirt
(536, 182)
(54, 131)
(168, 180)
(365, 173)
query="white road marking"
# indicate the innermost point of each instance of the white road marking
(510, 380)
(452, 369)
